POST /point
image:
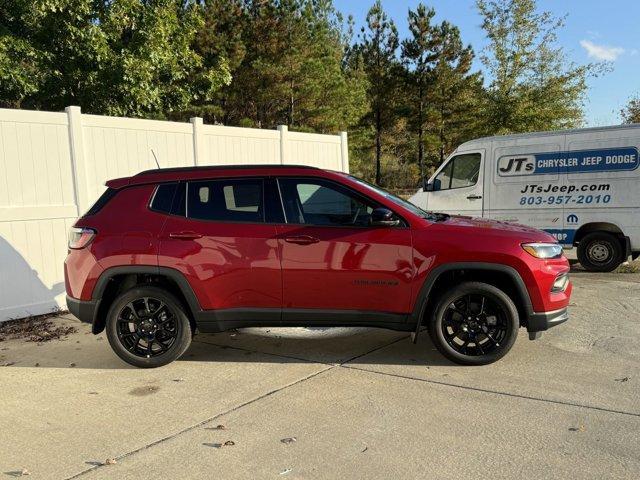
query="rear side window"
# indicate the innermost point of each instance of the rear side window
(108, 194)
(231, 200)
(163, 197)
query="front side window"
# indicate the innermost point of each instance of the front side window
(461, 171)
(232, 200)
(316, 202)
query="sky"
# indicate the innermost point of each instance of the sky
(595, 31)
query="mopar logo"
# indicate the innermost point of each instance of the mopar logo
(572, 218)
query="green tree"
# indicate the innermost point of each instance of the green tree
(127, 57)
(533, 86)
(455, 109)
(419, 56)
(377, 47)
(631, 113)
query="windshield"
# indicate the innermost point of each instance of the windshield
(399, 201)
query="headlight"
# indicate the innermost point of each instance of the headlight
(543, 250)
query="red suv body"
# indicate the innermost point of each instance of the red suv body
(168, 252)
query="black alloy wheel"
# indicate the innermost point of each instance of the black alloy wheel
(474, 324)
(148, 327)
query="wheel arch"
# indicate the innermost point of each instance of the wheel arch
(443, 277)
(115, 280)
(591, 227)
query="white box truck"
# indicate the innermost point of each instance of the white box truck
(582, 186)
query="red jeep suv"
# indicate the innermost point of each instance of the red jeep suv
(169, 252)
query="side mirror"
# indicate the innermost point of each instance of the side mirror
(383, 217)
(428, 187)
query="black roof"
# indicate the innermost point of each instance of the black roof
(220, 167)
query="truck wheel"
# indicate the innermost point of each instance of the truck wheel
(600, 252)
(474, 324)
(147, 327)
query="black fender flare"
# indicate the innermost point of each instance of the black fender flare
(418, 312)
(175, 275)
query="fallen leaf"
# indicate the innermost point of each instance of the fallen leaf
(229, 443)
(178, 379)
(577, 429)
(289, 440)
(623, 379)
(365, 449)
(285, 471)
(110, 461)
(24, 472)
(220, 427)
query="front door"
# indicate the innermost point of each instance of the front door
(334, 262)
(458, 186)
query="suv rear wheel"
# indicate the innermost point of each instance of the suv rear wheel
(600, 252)
(147, 327)
(474, 323)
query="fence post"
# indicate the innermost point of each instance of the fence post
(344, 152)
(78, 164)
(283, 129)
(199, 157)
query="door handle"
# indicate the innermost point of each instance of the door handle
(474, 197)
(302, 240)
(185, 235)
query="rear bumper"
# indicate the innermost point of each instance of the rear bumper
(85, 310)
(539, 322)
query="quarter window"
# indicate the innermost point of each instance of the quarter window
(461, 171)
(233, 200)
(315, 202)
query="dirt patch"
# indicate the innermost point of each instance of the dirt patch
(631, 267)
(37, 328)
(143, 391)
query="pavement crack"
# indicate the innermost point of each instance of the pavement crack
(495, 392)
(203, 422)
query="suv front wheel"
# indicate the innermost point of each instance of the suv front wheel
(147, 327)
(474, 323)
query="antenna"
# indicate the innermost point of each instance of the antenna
(156, 158)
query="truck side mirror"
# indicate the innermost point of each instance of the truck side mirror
(432, 186)
(383, 217)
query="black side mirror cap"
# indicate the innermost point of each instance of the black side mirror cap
(428, 187)
(383, 217)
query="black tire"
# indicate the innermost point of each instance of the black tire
(490, 325)
(165, 330)
(600, 252)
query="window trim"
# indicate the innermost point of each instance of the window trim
(452, 159)
(403, 223)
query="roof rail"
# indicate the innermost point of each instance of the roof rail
(220, 167)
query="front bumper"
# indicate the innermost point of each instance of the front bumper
(85, 310)
(539, 322)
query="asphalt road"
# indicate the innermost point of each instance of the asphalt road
(360, 403)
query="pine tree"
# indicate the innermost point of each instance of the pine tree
(455, 91)
(378, 46)
(419, 57)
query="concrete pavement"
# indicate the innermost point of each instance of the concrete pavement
(361, 403)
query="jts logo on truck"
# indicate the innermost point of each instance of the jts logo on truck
(580, 161)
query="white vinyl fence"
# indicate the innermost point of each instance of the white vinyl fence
(53, 167)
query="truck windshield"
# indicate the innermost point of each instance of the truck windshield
(433, 216)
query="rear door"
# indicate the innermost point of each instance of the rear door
(334, 262)
(219, 239)
(458, 186)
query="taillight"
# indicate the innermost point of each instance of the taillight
(80, 237)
